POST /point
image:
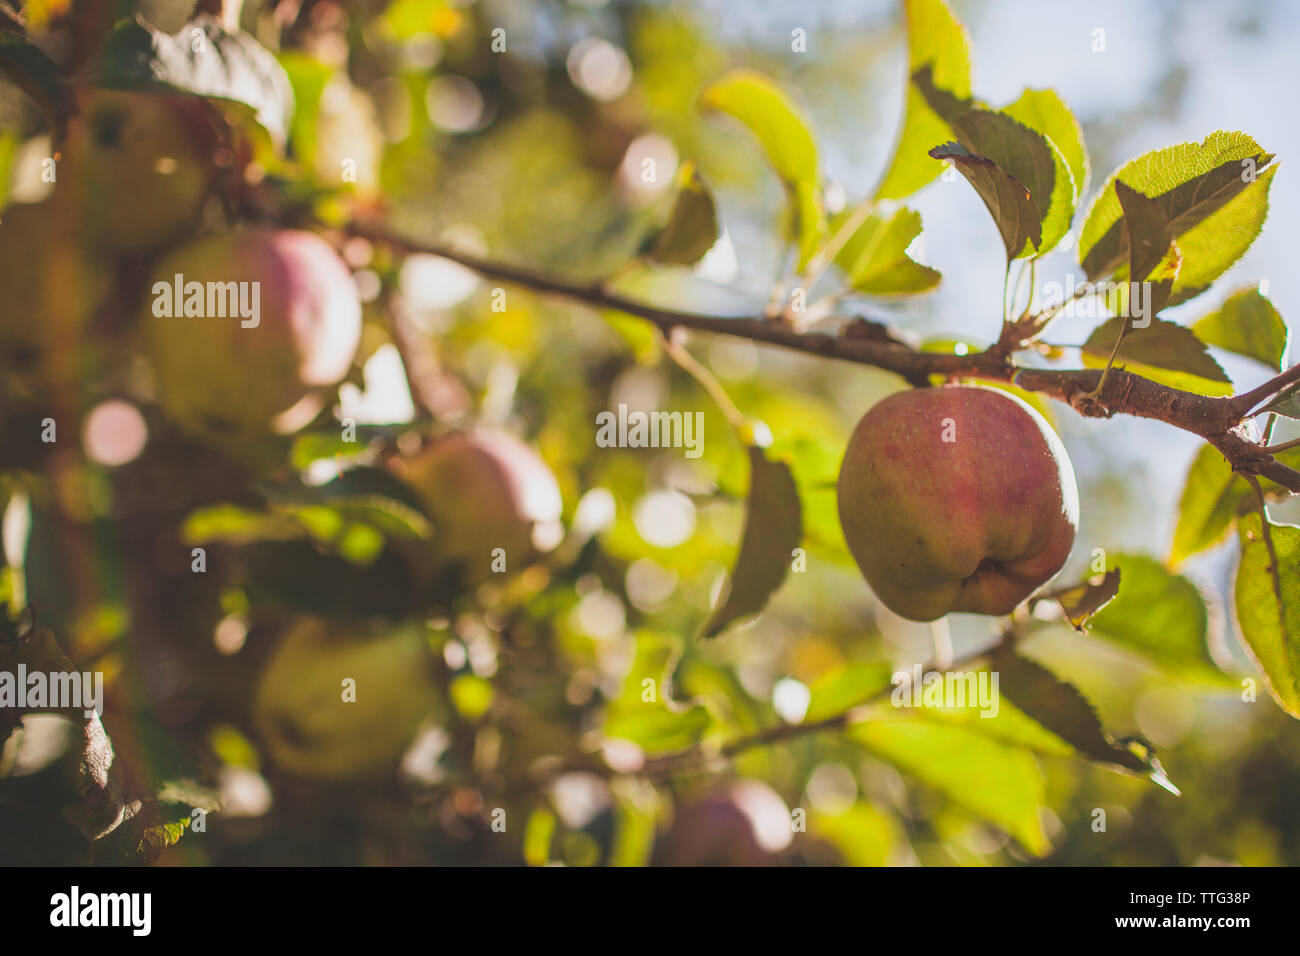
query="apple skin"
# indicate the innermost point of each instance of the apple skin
(136, 167)
(216, 377)
(484, 489)
(306, 726)
(976, 524)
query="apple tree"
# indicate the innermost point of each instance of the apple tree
(403, 416)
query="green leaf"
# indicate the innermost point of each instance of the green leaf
(846, 687)
(1249, 325)
(1192, 182)
(1160, 616)
(645, 713)
(1266, 599)
(1163, 352)
(1080, 602)
(936, 39)
(1064, 711)
(864, 835)
(692, 226)
(773, 529)
(635, 812)
(1213, 497)
(1008, 200)
(1003, 785)
(309, 78)
(1213, 245)
(539, 834)
(373, 495)
(875, 260)
(227, 66)
(1031, 160)
(1046, 112)
(471, 695)
(786, 138)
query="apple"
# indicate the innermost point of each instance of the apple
(959, 498)
(233, 374)
(136, 167)
(299, 706)
(484, 490)
(44, 315)
(711, 831)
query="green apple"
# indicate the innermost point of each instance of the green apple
(959, 498)
(300, 706)
(485, 490)
(247, 330)
(136, 168)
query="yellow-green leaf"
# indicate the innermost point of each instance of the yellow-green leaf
(1267, 603)
(1192, 181)
(1163, 352)
(875, 260)
(787, 140)
(1046, 112)
(1003, 785)
(1249, 325)
(934, 38)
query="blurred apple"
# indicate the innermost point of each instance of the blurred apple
(289, 327)
(299, 709)
(484, 490)
(137, 167)
(713, 831)
(51, 287)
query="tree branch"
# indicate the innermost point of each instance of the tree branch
(1122, 392)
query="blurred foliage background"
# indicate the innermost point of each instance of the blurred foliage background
(533, 153)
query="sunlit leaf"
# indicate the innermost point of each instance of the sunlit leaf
(997, 783)
(1214, 244)
(1213, 496)
(864, 835)
(1266, 599)
(1247, 324)
(936, 39)
(786, 138)
(635, 812)
(1192, 182)
(874, 258)
(1046, 112)
(539, 833)
(645, 712)
(1163, 352)
(845, 687)
(1160, 616)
